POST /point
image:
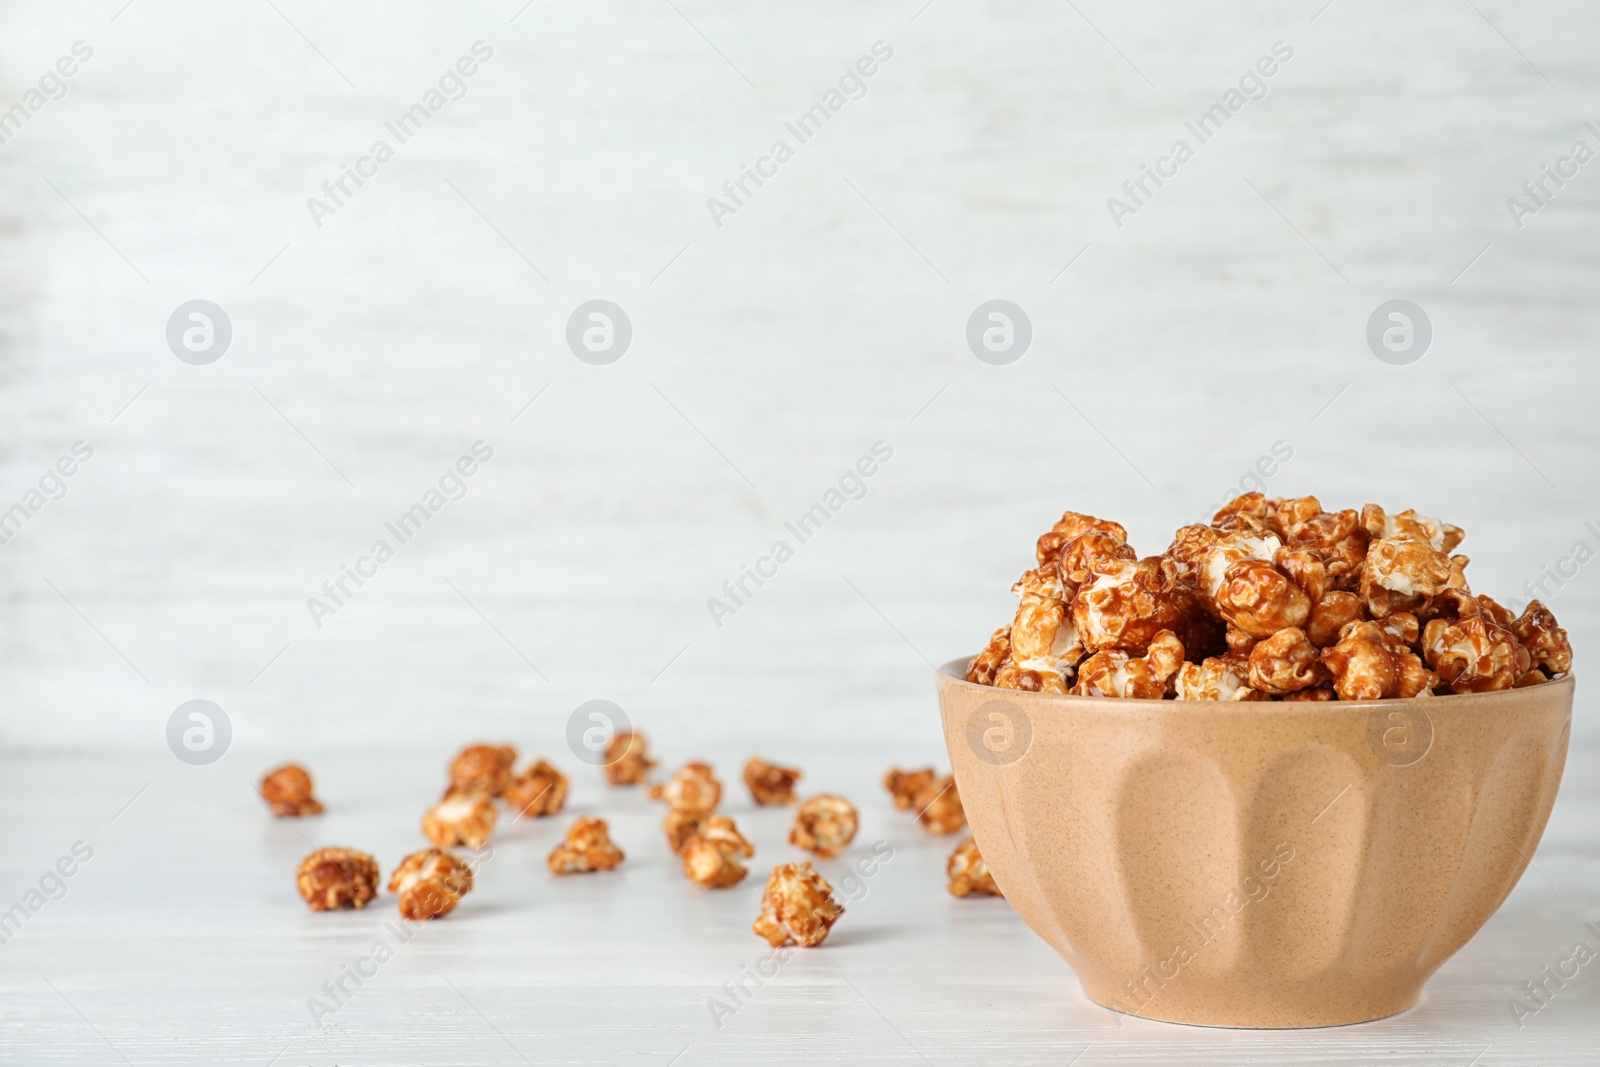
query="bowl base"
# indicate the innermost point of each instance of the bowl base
(1244, 1008)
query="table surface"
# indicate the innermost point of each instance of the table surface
(182, 940)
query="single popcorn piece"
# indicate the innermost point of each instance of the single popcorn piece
(333, 878)
(711, 857)
(627, 761)
(430, 883)
(1545, 640)
(1124, 607)
(482, 769)
(1217, 678)
(1285, 663)
(906, 786)
(1231, 548)
(1410, 526)
(1089, 554)
(538, 791)
(797, 907)
(770, 783)
(460, 819)
(994, 656)
(1331, 614)
(1069, 527)
(1368, 664)
(1013, 677)
(1247, 512)
(1338, 539)
(824, 824)
(588, 847)
(287, 790)
(939, 807)
(968, 873)
(1114, 673)
(1258, 599)
(1305, 568)
(1314, 694)
(694, 790)
(679, 827)
(1474, 654)
(1043, 637)
(1186, 556)
(1401, 574)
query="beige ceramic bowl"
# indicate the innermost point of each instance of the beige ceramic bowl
(1255, 864)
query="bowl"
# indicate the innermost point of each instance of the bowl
(1262, 864)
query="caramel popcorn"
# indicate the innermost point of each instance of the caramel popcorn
(1402, 575)
(1114, 673)
(1544, 639)
(797, 907)
(460, 819)
(430, 883)
(482, 769)
(679, 827)
(626, 759)
(288, 790)
(968, 873)
(1273, 599)
(332, 878)
(824, 824)
(994, 656)
(1285, 662)
(694, 790)
(939, 807)
(1216, 678)
(1368, 664)
(588, 847)
(1475, 654)
(538, 791)
(906, 786)
(770, 783)
(711, 857)
(1123, 607)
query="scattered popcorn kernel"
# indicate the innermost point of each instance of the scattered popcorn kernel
(1402, 575)
(332, 878)
(694, 790)
(1124, 606)
(797, 907)
(430, 883)
(1330, 615)
(968, 873)
(588, 847)
(906, 786)
(1367, 664)
(1216, 678)
(1544, 638)
(626, 759)
(1474, 655)
(1257, 598)
(770, 783)
(824, 824)
(679, 827)
(288, 790)
(1114, 673)
(939, 807)
(994, 656)
(460, 819)
(482, 769)
(538, 791)
(1285, 662)
(711, 857)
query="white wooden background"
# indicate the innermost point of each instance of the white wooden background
(1224, 317)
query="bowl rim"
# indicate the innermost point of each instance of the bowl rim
(954, 673)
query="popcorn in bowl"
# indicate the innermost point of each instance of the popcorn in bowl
(1274, 599)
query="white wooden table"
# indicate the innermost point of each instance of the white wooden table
(183, 941)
